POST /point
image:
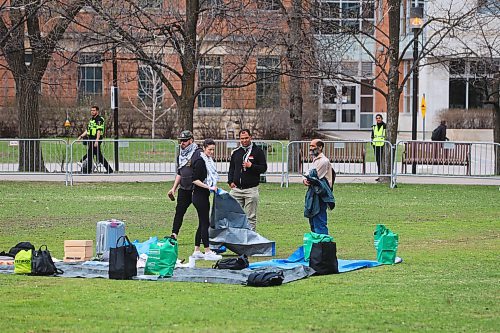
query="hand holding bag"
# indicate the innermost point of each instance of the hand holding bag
(123, 260)
(42, 263)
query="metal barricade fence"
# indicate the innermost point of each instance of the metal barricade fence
(447, 159)
(135, 156)
(33, 156)
(348, 158)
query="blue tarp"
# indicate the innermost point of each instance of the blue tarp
(297, 259)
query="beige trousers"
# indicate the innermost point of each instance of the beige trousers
(248, 200)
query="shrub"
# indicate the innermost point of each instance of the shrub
(467, 119)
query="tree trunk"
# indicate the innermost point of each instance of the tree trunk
(393, 93)
(294, 54)
(30, 152)
(185, 108)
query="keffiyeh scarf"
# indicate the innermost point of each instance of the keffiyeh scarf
(186, 154)
(212, 175)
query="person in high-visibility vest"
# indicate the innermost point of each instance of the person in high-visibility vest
(94, 133)
(378, 138)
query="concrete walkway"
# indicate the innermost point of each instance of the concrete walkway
(270, 179)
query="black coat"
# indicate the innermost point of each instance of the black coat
(251, 176)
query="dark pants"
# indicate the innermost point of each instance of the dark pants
(202, 204)
(184, 199)
(95, 152)
(379, 156)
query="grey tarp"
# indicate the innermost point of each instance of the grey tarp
(204, 275)
(229, 227)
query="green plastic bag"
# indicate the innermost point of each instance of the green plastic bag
(162, 257)
(386, 244)
(310, 238)
(22, 262)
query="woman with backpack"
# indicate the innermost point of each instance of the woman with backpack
(205, 179)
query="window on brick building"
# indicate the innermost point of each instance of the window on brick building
(210, 76)
(150, 3)
(268, 83)
(150, 86)
(89, 75)
(336, 16)
(268, 4)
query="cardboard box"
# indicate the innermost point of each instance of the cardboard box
(78, 250)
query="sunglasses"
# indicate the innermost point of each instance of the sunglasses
(184, 140)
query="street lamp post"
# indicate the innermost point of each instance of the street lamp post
(114, 104)
(416, 22)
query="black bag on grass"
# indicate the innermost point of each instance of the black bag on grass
(42, 263)
(233, 263)
(323, 258)
(265, 279)
(20, 246)
(123, 260)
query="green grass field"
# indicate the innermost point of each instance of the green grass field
(448, 282)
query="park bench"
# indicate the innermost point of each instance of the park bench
(436, 153)
(338, 152)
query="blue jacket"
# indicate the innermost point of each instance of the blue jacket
(318, 190)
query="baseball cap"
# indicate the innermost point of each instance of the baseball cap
(185, 135)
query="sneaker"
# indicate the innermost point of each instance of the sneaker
(212, 256)
(198, 255)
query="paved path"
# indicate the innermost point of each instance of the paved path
(270, 179)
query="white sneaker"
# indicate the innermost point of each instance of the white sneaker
(212, 256)
(198, 255)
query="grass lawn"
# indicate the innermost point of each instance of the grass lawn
(449, 241)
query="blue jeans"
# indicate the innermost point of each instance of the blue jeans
(318, 221)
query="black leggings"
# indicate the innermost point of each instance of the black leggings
(202, 204)
(379, 156)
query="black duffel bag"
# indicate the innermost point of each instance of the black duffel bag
(265, 279)
(42, 263)
(233, 263)
(323, 258)
(20, 246)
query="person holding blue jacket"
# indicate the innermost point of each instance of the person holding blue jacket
(319, 195)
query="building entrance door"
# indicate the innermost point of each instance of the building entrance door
(339, 107)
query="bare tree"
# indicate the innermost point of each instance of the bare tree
(191, 33)
(32, 27)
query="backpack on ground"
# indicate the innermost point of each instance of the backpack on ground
(265, 279)
(42, 263)
(20, 246)
(233, 263)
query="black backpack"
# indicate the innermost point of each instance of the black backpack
(233, 263)
(42, 263)
(265, 279)
(20, 246)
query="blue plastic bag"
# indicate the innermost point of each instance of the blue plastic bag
(143, 248)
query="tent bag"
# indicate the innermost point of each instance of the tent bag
(233, 263)
(265, 279)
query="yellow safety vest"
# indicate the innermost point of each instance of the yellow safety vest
(93, 127)
(378, 136)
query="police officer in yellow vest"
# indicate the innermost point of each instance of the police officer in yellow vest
(94, 133)
(378, 138)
